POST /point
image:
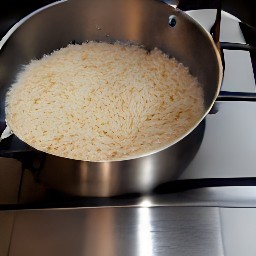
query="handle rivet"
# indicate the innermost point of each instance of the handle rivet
(172, 21)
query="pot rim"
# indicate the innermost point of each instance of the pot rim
(148, 153)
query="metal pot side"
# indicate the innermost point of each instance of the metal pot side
(144, 22)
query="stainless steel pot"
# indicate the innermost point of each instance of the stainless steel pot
(148, 22)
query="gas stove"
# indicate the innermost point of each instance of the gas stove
(209, 210)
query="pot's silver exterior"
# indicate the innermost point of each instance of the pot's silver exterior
(144, 22)
(103, 179)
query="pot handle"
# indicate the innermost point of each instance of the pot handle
(248, 31)
(185, 5)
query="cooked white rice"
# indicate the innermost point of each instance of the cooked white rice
(99, 102)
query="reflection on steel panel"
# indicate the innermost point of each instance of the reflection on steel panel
(118, 231)
(31, 190)
(239, 231)
(10, 174)
(6, 224)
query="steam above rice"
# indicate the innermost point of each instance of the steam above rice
(99, 102)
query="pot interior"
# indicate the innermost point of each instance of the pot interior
(144, 22)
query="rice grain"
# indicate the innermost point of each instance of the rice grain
(100, 102)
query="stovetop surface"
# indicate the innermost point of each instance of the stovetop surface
(226, 158)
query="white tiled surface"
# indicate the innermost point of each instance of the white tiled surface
(238, 76)
(229, 144)
(228, 148)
